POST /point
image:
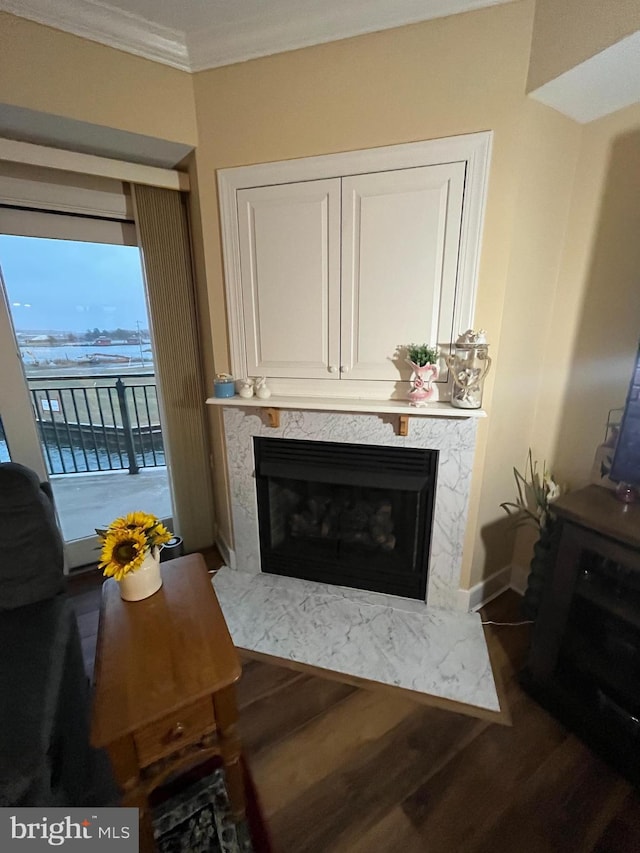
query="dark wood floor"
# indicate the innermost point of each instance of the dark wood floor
(340, 769)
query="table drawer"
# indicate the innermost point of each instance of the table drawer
(167, 735)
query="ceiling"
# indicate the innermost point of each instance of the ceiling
(194, 35)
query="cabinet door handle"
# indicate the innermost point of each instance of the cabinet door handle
(344, 368)
(333, 368)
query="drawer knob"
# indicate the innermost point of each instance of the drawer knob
(177, 731)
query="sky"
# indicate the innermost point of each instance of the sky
(70, 286)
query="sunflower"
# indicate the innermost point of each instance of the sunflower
(134, 520)
(123, 551)
(127, 540)
(158, 535)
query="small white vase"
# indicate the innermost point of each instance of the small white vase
(262, 392)
(144, 581)
(246, 389)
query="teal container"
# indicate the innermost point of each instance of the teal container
(224, 386)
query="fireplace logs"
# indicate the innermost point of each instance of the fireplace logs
(365, 521)
(346, 514)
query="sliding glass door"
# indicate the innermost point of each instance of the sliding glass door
(79, 401)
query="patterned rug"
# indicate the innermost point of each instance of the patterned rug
(192, 815)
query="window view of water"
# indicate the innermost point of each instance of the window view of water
(73, 458)
(79, 316)
(63, 356)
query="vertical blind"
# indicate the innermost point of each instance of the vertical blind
(163, 237)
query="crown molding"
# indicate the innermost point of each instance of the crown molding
(276, 30)
(107, 25)
(273, 29)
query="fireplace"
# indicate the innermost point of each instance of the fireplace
(349, 514)
(453, 437)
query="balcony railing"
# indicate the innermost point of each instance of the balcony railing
(86, 426)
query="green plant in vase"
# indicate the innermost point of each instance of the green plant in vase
(536, 492)
(423, 359)
(422, 354)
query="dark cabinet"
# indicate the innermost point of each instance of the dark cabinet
(584, 660)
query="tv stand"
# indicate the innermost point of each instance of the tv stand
(584, 660)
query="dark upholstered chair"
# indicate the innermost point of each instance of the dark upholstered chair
(45, 756)
(31, 556)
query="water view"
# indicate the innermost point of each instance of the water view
(79, 315)
(86, 355)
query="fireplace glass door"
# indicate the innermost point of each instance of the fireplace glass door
(348, 514)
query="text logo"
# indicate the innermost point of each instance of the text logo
(34, 829)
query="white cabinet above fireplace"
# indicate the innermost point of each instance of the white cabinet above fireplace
(333, 262)
(290, 263)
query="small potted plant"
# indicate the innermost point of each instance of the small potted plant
(419, 355)
(423, 359)
(534, 506)
(131, 553)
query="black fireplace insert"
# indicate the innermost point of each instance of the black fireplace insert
(348, 514)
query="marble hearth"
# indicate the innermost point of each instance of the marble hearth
(439, 656)
(453, 437)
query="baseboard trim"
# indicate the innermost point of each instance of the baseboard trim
(519, 577)
(226, 551)
(482, 593)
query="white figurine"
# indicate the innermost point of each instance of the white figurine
(246, 389)
(261, 388)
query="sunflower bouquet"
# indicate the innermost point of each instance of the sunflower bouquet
(127, 541)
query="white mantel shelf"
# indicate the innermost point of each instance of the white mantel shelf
(344, 404)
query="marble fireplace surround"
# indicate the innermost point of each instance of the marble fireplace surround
(454, 437)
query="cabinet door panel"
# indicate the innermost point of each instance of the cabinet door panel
(290, 260)
(400, 241)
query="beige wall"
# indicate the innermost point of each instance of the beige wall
(456, 75)
(596, 324)
(445, 77)
(547, 147)
(566, 32)
(53, 72)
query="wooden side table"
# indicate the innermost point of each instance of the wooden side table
(164, 695)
